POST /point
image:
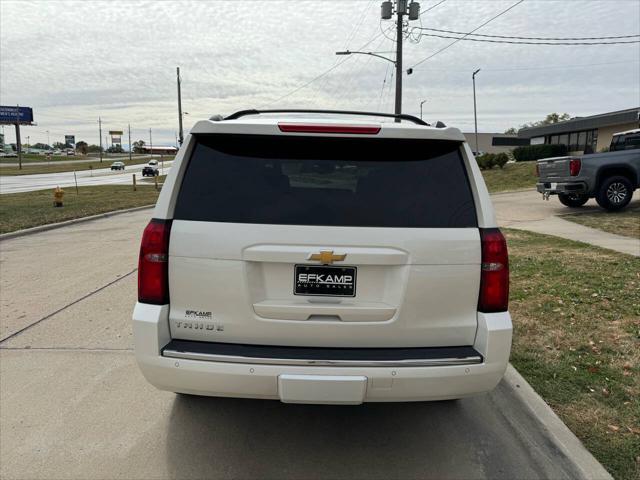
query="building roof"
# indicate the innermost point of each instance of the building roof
(583, 123)
(155, 147)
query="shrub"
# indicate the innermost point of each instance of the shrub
(486, 161)
(501, 159)
(534, 152)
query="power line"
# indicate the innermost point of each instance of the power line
(359, 23)
(432, 7)
(551, 67)
(317, 77)
(513, 42)
(457, 40)
(527, 38)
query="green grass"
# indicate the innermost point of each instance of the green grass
(30, 209)
(57, 167)
(514, 176)
(625, 222)
(576, 313)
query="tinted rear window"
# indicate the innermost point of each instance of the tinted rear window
(294, 180)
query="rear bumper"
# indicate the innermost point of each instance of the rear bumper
(562, 187)
(319, 384)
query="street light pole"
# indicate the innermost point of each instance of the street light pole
(129, 142)
(100, 136)
(181, 137)
(421, 103)
(475, 111)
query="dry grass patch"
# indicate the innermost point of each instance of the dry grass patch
(625, 222)
(576, 312)
(514, 176)
(30, 209)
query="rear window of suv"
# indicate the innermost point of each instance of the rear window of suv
(331, 181)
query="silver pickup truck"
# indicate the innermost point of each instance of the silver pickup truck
(609, 177)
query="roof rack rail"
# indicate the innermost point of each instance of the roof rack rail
(400, 116)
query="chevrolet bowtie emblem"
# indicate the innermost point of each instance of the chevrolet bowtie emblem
(326, 257)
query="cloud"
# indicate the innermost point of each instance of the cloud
(75, 61)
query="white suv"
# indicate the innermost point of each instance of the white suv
(323, 261)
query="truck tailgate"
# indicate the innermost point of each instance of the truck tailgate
(553, 168)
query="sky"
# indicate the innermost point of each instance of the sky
(74, 62)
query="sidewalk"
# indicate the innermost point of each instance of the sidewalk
(573, 231)
(525, 210)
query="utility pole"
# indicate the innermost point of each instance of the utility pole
(401, 6)
(181, 137)
(18, 143)
(410, 8)
(475, 111)
(129, 142)
(421, 103)
(100, 136)
(48, 141)
(150, 145)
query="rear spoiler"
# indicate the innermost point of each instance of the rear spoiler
(397, 116)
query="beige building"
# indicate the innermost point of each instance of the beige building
(584, 134)
(494, 142)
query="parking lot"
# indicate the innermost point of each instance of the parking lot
(75, 405)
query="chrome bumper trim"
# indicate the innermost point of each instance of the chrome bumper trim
(432, 362)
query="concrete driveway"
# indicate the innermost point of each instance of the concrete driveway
(526, 210)
(74, 404)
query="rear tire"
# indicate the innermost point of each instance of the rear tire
(572, 200)
(614, 193)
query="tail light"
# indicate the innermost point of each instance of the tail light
(494, 277)
(153, 264)
(574, 166)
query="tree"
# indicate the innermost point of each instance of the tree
(60, 145)
(115, 149)
(138, 146)
(511, 131)
(41, 146)
(82, 147)
(94, 149)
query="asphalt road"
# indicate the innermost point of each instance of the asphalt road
(74, 404)
(56, 160)
(102, 176)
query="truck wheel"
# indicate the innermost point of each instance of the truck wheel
(572, 200)
(614, 193)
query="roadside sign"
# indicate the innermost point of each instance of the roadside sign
(12, 115)
(116, 136)
(70, 140)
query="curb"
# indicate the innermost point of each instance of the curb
(66, 223)
(558, 432)
(517, 190)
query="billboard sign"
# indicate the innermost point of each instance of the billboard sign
(70, 140)
(12, 115)
(116, 136)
